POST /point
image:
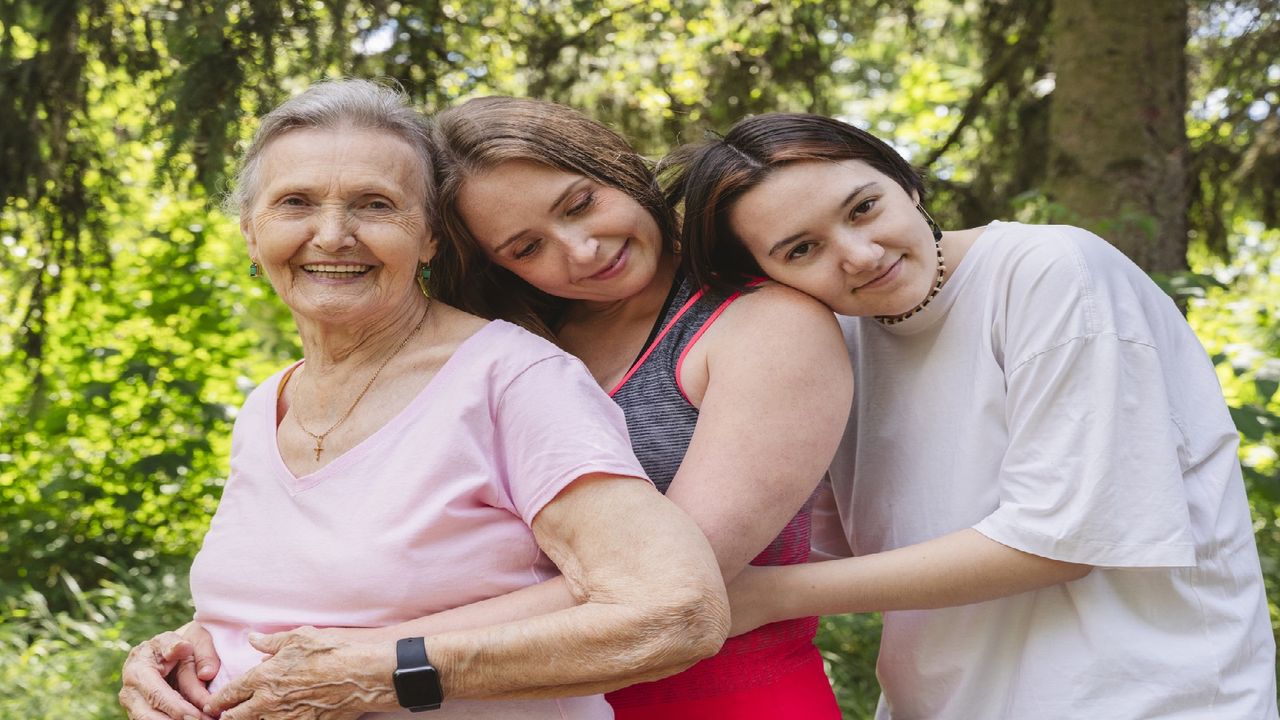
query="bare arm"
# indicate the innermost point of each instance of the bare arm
(957, 569)
(777, 394)
(545, 597)
(652, 603)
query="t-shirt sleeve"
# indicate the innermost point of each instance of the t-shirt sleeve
(554, 425)
(1092, 471)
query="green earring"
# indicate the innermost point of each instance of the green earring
(425, 272)
(253, 270)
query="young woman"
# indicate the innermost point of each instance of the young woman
(734, 401)
(1038, 482)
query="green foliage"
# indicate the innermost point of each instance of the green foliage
(131, 333)
(1236, 317)
(849, 645)
(66, 663)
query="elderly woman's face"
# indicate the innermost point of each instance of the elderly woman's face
(338, 222)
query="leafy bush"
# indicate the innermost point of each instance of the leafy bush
(66, 663)
(849, 645)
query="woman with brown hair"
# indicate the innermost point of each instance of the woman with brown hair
(733, 401)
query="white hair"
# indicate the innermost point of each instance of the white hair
(331, 105)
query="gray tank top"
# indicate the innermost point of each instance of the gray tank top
(659, 416)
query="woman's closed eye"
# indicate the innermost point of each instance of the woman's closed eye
(527, 249)
(582, 204)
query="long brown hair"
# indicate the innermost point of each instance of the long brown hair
(481, 134)
(710, 177)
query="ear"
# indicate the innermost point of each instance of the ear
(915, 196)
(250, 240)
(429, 247)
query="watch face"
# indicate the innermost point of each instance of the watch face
(418, 688)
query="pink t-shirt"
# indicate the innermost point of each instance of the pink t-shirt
(430, 512)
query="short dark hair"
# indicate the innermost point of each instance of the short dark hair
(711, 176)
(483, 133)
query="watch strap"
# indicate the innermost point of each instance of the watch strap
(416, 680)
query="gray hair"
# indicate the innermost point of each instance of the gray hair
(332, 105)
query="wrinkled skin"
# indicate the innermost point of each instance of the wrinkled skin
(162, 680)
(297, 680)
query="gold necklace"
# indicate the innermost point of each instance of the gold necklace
(319, 448)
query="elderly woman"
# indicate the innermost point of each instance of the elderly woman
(419, 459)
(734, 402)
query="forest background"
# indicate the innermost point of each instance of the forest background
(131, 332)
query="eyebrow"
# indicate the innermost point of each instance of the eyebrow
(790, 239)
(303, 185)
(559, 199)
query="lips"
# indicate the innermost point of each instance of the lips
(614, 265)
(882, 277)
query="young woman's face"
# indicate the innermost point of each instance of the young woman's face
(842, 232)
(565, 234)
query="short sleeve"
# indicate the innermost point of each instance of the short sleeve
(553, 425)
(1092, 472)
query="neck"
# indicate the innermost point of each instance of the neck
(955, 245)
(644, 305)
(331, 346)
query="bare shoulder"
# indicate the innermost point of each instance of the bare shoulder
(777, 311)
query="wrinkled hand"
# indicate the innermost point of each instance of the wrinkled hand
(165, 678)
(310, 674)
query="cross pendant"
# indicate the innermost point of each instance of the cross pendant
(319, 448)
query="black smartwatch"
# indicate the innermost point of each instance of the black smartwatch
(416, 681)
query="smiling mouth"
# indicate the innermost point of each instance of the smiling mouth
(337, 272)
(880, 276)
(617, 259)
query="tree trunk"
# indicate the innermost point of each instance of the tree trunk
(1117, 134)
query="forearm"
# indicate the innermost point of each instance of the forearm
(541, 599)
(957, 569)
(592, 648)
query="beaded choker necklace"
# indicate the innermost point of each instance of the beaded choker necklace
(937, 285)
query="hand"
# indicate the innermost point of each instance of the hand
(308, 674)
(167, 676)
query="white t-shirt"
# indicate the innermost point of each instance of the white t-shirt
(1053, 398)
(430, 512)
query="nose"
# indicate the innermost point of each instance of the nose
(859, 255)
(581, 247)
(335, 230)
